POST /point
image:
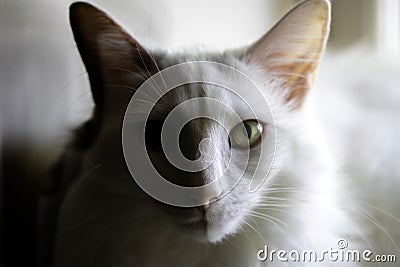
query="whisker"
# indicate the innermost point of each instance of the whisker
(151, 79)
(244, 231)
(383, 211)
(255, 230)
(85, 220)
(271, 207)
(66, 85)
(268, 220)
(255, 223)
(152, 56)
(269, 217)
(373, 220)
(72, 191)
(123, 86)
(137, 75)
(142, 76)
(71, 105)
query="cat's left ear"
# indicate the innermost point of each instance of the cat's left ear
(116, 63)
(292, 49)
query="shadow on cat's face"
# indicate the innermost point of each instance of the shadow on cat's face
(222, 215)
(283, 61)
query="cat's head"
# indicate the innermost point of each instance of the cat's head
(220, 109)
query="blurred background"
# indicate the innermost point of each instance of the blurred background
(45, 92)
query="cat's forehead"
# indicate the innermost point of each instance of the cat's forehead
(218, 90)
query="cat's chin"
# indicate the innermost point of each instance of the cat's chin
(204, 232)
(209, 234)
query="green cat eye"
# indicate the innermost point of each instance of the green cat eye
(246, 134)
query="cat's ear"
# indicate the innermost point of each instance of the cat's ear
(292, 49)
(116, 63)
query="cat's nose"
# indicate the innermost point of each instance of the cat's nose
(210, 199)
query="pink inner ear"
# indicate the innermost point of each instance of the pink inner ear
(292, 49)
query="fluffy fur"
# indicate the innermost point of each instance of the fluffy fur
(107, 220)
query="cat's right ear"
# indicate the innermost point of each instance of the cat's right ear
(291, 50)
(116, 63)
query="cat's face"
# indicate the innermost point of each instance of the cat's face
(228, 137)
(225, 145)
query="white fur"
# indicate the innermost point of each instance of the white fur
(108, 220)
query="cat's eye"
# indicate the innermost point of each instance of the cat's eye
(246, 134)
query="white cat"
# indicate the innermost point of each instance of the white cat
(106, 219)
